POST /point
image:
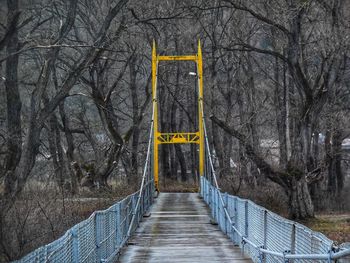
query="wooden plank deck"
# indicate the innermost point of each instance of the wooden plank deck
(179, 230)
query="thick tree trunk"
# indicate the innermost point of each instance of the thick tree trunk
(252, 124)
(335, 178)
(135, 115)
(300, 203)
(75, 176)
(292, 180)
(55, 148)
(281, 112)
(164, 149)
(13, 103)
(173, 160)
(182, 162)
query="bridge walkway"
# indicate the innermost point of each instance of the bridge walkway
(179, 229)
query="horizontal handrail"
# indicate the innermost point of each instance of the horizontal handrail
(333, 252)
(260, 248)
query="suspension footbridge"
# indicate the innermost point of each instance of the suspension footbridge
(209, 226)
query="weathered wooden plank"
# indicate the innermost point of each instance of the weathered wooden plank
(179, 230)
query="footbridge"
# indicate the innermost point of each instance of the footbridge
(209, 226)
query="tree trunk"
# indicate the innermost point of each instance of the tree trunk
(300, 203)
(13, 103)
(252, 125)
(56, 150)
(292, 180)
(135, 116)
(75, 176)
(335, 178)
(280, 103)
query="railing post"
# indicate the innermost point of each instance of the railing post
(201, 186)
(292, 245)
(117, 227)
(235, 236)
(286, 252)
(128, 215)
(142, 211)
(75, 244)
(149, 195)
(225, 207)
(98, 236)
(209, 199)
(133, 212)
(218, 206)
(246, 218)
(207, 192)
(215, 204)
(265, 235)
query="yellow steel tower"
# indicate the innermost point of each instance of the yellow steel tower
(180, 137)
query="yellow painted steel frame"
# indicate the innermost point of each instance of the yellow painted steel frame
(180, 137)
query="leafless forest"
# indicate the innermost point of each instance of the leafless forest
(75, 93)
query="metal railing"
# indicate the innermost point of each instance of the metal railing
(101, 237)
(98, 238)
(262, 234)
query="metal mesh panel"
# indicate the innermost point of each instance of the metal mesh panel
(231, 211)
(124, 215)
(36, 256)
(255, 228)
(105, 232)
(240, 217)
(309, 242)
(97, 238)
(100, 237)
(86, 240)
(264, 229)
(278, 236)
(221, 215)
(60, 250)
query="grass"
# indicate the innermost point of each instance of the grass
(334, 226)
(174, 186)
(41, 215)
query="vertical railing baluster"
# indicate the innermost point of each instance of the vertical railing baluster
(235, 218)
(118, 221)
(75, 244)
(265, 233)
(226, 207)
(246, 218)
(98, 236)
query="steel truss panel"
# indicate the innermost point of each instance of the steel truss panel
(178, 137)
(178, 58)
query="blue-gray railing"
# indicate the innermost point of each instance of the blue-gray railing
(101, 237)
(262, 234)
(98, 238)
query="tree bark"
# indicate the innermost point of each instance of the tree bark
(135, 117)
(13, 103)
(292, 180)
(335, 180)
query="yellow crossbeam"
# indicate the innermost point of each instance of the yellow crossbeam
(177, 137)
(177, 58)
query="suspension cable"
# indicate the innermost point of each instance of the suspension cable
(227, 215)
(144, 175)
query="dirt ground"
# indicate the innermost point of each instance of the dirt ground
(334, 226)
